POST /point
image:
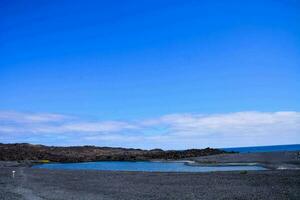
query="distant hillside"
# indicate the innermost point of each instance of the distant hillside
(24, 151)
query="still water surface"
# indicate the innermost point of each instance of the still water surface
(144, 166)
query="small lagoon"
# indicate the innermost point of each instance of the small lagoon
(145, 166)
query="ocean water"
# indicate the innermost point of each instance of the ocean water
(292, 147)
(145, 166)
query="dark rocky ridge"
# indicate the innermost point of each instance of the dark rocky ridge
(24, 151)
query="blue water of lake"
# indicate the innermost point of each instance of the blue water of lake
(145, 166)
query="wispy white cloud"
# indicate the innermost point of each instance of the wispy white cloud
(103, 126)
(230, 123)
(169, 131)
(31, 117)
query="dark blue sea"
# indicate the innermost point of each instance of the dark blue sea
(291, 147)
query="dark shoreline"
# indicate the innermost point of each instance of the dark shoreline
(39, 184)
(270, 160)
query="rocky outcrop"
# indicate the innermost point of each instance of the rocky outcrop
(24, 151)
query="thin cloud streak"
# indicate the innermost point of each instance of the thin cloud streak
(20, 117)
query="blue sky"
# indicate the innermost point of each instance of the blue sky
(108, 68)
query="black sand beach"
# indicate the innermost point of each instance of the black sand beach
(39, 184)
(271, 160)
